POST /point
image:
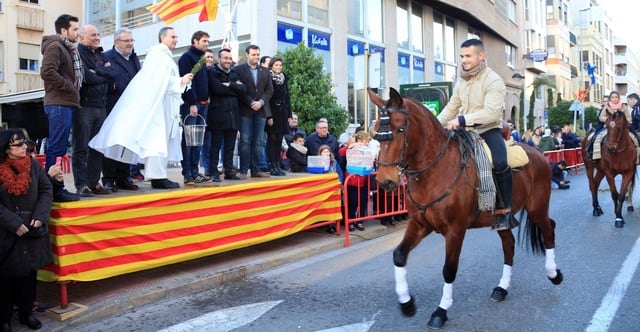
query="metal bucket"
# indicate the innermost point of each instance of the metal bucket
(194, 133)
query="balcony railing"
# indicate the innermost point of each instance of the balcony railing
(30, 18)
(28, 81)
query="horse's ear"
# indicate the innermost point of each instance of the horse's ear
(375, 98)
(395, 97)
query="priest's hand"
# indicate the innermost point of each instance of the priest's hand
(187, 78)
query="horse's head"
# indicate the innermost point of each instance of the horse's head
(617, 131)
(391, 132)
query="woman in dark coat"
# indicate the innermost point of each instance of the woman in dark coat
(25, 205)
(278, 124)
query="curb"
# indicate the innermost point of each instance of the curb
(175, 283)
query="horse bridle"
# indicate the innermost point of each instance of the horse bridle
(612, 124)
(402, 163)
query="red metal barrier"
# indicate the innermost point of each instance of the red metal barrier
(573, 157)
(381, 204)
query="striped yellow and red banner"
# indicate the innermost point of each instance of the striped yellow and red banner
(96, 239)
(170, 11)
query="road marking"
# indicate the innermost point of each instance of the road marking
(224, 320)
(359, 327)
(601, 320)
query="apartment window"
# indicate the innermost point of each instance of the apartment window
(549, 9)
(29, 64)
(512, 11)
(510, 55)
(31, 1)
(290, 8)
(444, 38)
(416, 28)
(551, 44)
(0, 6)
(28, 55)
(402, 23)
(365, 19)
(318, 12)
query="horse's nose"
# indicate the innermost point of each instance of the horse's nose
(388, 185)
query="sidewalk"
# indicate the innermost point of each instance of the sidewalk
(113, 296)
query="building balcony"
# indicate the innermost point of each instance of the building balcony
(537, 67)
(30, 18)
(28, 81)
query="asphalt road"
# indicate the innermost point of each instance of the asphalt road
(352, 289)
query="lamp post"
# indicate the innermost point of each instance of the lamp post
(582, 79)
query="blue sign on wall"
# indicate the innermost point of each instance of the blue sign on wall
(289, 33)
(319, 40)
(404, 60)
(418, 63)
(354, 47)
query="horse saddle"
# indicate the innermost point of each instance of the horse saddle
(516, 156)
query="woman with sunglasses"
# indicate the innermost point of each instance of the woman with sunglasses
(25, 205)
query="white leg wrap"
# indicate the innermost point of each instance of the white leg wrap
(550, 263)
(402, 288)
(447, 296)
(505, 280)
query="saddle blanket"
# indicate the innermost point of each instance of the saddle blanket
(516, 156)
(597, 143)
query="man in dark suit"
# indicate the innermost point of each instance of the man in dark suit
(125, 64)
(254, 111)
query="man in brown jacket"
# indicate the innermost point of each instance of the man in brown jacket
(62, 73)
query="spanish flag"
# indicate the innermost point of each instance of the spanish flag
(170, 11)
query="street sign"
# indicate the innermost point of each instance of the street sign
(538, 55)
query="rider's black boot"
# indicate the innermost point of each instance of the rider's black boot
(506, 220)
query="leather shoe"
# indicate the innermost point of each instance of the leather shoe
(65, 196)
(231, 177)
(30, 321)
(110, 186)
(85, 192)
(126, 184)
(164, 184)
(100, 190)
(260, 175)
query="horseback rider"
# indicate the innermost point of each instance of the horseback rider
(477, 104)
(607, 109)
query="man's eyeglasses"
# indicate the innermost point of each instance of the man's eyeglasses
(323, 127)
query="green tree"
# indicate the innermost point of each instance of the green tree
(539, 81)
(311, 90)
(559, 115)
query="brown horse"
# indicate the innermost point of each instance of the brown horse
(442, 186)
(618, 157)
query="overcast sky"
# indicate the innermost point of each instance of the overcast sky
(625, 15)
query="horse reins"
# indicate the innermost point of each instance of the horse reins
(403, 167)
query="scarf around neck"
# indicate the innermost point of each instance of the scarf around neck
(77, 62)
(615, 106)
(15, 175)
(471, 73)
(277, 78)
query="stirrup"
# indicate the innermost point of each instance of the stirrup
(503, 220)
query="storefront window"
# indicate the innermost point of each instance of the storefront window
(365, 19)
(416, 28)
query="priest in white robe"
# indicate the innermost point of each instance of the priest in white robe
(144, 125)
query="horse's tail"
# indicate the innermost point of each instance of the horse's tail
(530, 235)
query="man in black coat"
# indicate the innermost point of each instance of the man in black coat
(86, 121)
(223, 117)
(125, 65)
(254, 111)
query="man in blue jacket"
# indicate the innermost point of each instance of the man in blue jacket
(196, 102)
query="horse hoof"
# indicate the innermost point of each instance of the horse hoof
(619, 223)
(438, 318)
(630, 209)
(597, 212)
(409, 308)
(499, 294)
(558, 279)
